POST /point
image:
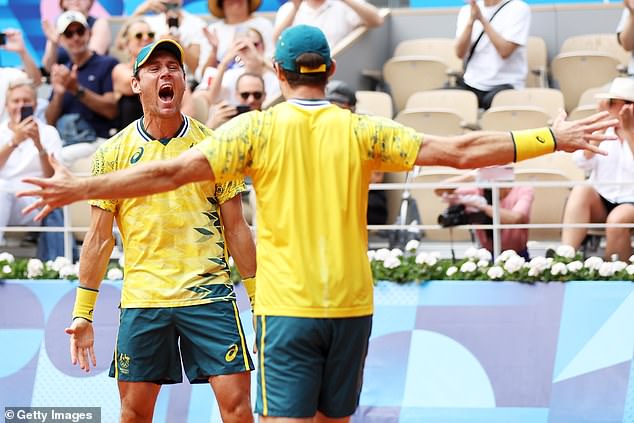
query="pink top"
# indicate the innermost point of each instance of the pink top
(519, 199)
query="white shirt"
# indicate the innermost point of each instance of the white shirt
(226, 33)
(487, 69)
(625, 17)
(25, 159)
(7, 75)
(618, 165)
(190, 28)
(335, 18)
(228, 86)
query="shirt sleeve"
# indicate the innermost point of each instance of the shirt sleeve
(625, 16)
(228, 190)
(282, 12)
(461, 22)
(104, 161)
(514, 22)
(391, 146)
(230, 149)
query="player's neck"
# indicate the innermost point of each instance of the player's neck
(160, 128)
(305, 92)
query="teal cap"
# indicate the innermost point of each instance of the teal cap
(166, 44)
(300, 39)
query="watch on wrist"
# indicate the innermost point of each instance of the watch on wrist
(81, 91)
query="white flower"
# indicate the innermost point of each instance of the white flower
(114, 274)
(507, 254)
(574, 266)
(421, 258)
(631, 258)
(559, 269)
(122, 261)
(471, 253)
(371, 254)
(8, 257)
(391, 262)
(431, 259)
(484, 254)
(59, 263)
(412, 245)
(533, 272)
(396, 252)
(468, 267)
(566, 251)
(382, 254)
(496, 272)
(230, 262)
(514, 263)
(34, 268)
(630, 269)
(68, 271)
(539, 264)
(593, 263)
(617, 266)
(6, 269)
(452, 270)
(483, 263)
(606, 269)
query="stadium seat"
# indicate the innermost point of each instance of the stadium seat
(408, 74)
(432, 121)
(79, 213)
(605, 43)
(559, 162)
(430, 205)
(374, 103)
(442, 48)
(548, 204)
(537, 56)
(514, 118)
(549, 99)
(577, 71)
(463, 103)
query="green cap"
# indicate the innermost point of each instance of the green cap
(300, 39)
(166, 44)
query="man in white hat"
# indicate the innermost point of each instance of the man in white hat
(82, 105)
(607, 203)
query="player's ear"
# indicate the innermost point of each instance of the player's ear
(136, 85)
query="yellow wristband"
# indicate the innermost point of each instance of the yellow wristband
(249, 285)
(533, 143)
(85, 299)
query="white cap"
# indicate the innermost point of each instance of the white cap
(67, 18)
(620, 89)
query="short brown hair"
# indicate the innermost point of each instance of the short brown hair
(311, 61)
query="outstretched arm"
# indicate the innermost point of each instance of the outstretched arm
(480, 148)
(95, 254)
(137, 181)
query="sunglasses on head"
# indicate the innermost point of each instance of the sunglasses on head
(69, 33)
(139, 35)
(256, 94)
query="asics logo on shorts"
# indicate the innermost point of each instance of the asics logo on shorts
(232, 352)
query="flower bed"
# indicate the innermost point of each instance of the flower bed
(60, 268)
(565, 265)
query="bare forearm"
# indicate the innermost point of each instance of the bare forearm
(242, 249)
(626, 37)
(285, 22)
(504, 48)
(368, 13)
(50, 55)
(103, 104)
(470, 151)
(95, 255)
(464, 41)
(192, 56)
(31, 68)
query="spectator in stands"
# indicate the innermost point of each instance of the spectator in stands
(100, 36)
(336, 18)
(235, 19)
(135, 34)
(250, 94)
(607, 203)
(339, 93)
(515, 208)
(83, 103)
(15, 43)
(25, 142)
(245, 56)
(625, 31)
(172, 21)
(491, 37)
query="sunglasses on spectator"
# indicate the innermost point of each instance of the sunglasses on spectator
(613, 100)
(139, 35)
(69, 33)
(256, 94)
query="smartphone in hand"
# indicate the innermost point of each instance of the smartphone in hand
(3, 38)
(25, 112)
(242, 108)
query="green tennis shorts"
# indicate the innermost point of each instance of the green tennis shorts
(308, 365)
(151, 342)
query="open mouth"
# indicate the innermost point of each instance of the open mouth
(166, 93)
